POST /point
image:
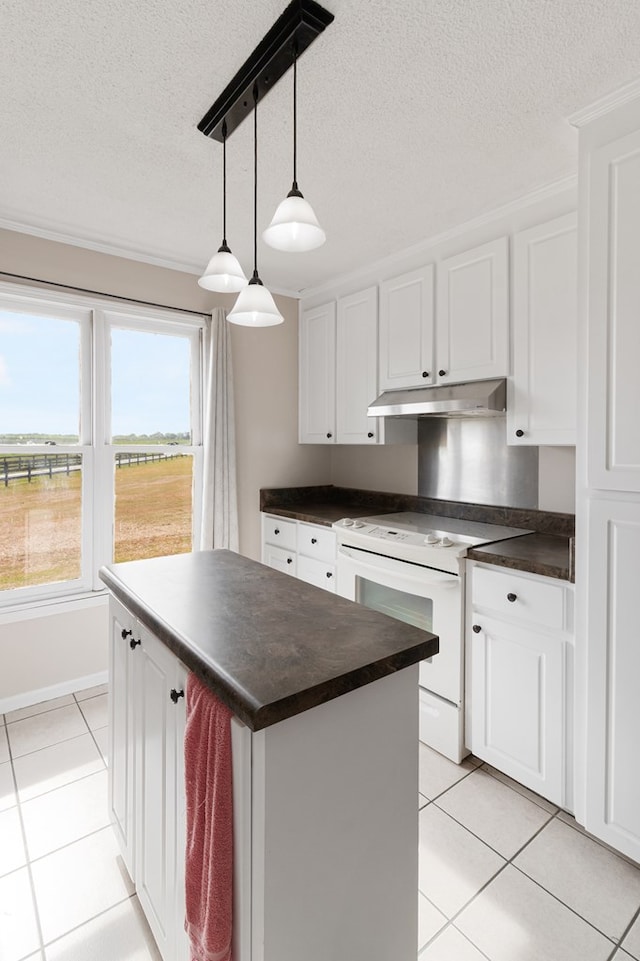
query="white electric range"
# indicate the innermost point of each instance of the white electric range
(411, 567)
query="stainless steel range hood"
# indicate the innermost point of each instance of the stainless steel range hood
(480, 398)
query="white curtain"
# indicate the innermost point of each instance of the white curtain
(220, 500)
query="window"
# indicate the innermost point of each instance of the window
(100, 440)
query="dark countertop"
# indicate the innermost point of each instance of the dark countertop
(544, 552)
(268, 645)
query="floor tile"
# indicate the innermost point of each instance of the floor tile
(492, 811)
(4, 746)
(451, 946)
(42, 730)
(571, 821)
(453, 865)
(632, 941)
(514, 919)
(54, 766)
(91, 692)
(101, 738)
(422, 800)
(120, 933)
(96, 711)
(12, 852)
(430, 920)
(621, 955)
(7, 791)
(597, 884)
(437, 773)
(66, 814)
(41, 708)
(521, 789)
(94, 880)
(18, 930)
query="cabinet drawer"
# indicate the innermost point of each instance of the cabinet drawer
(317, 572)
(317, 542)
(280, 559)
(509, 595)
(280, 532)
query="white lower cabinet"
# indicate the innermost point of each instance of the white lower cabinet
(519, 678)
(310, 553)
(160, 801)
(146, 774)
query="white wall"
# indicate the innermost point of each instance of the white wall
(37, 654)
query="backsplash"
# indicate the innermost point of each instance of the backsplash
(468, 459)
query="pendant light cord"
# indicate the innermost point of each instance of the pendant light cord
(255, 182)
(224, 183)
(295, 117)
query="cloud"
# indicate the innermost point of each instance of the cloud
(5, 380)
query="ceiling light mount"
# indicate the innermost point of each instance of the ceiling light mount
(288, 38)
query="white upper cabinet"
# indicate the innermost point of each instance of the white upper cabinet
(472, 328)
(317, 389)
(543, 392)
(406, 330)
(614, 327)
(357, 367)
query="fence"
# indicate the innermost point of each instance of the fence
(26, 466)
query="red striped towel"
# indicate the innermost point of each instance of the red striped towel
(209, 802)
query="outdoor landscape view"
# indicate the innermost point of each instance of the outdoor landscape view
(41, 491)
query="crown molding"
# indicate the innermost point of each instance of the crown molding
(626, 93)
(424, 247)
(114, 250)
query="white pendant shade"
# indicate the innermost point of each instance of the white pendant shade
(294, 227)
(255, 307)
(223, 274)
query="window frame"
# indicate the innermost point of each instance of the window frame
(97, 316)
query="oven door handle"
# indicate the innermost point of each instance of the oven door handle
(429, 575)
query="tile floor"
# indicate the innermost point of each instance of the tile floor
(64, 893)
(503, 874)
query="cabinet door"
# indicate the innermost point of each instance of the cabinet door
(472, 329)
(611, 707)
(543, 401)
(517, 703)
(122, 659)
(357, 367)
(317, 365)
(614, 331)
(406, 330)
(157, 791)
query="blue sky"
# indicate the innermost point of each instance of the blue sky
(40, 384)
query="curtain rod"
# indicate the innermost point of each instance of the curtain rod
(97, 293)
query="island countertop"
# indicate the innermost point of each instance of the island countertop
(268, 645)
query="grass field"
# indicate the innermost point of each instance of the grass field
(40, 523)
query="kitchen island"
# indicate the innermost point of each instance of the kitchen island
(324, 751)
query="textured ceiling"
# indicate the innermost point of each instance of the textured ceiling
(413, 117)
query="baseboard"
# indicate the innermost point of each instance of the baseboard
(17, 701)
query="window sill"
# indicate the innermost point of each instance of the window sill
(61, 604)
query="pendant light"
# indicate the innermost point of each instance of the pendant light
(294, 227)
(255, 306)
(223, 272)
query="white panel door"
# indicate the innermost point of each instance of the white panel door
(543, 398)
(156, 791)
(517, 703)
(357, 367)
(472, 327)
(614, 317)
(122, 660)
(406, 330)
(317, 375)
(613, 669)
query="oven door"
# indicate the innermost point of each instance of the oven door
(421, 596)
